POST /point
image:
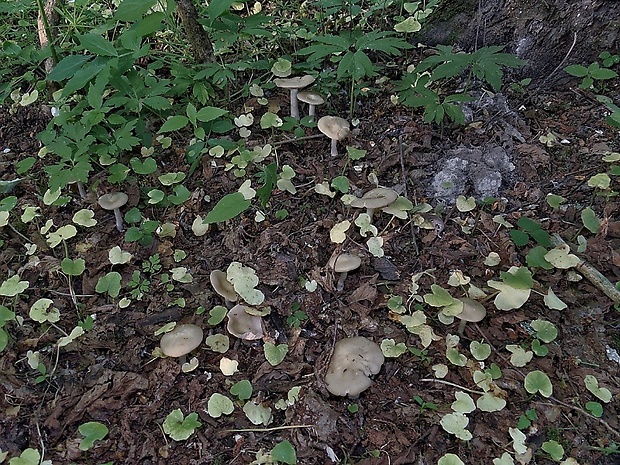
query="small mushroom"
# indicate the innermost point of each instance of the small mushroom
(335, 128)
(354, 360)
(473, 311)
(312, 99)
(223, 287)
(243, 325)
(181, 340)
(343, 263)
(378, 197)
(114, 201)
(294, 84)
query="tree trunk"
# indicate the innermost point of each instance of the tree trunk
(548, 34)
(199, 40)
(45, 27)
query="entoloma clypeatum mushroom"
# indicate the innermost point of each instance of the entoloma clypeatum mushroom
(294, 84)
(223, 287)
(473, 311)
(181, 340)
(378, 197)
(354, 360)
(312, 99)
(343, 263)
(334, 127)
(243, 325)
(114, 201)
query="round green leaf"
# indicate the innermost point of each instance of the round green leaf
(284, 452)
(73, 267)
(179, 428)
(450, 459)
(242, 389)
(219, 405)
(275, 353)
(92, 431)
(42, 311)
(545, 330)
(537, 381)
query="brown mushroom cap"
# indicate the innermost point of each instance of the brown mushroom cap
(334, 127)
(297, 82)
(473, 310)
(222, 286)
(181, 340)
(376, 198)
(311, 98)
(243, 325)
(112, 200)
(344, 262)
(354, 360)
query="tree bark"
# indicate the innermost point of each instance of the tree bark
(199, 40)
(548, 34)
(45, 26)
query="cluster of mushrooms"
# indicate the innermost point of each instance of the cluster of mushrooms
(334, 127)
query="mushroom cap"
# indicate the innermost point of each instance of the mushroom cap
(112, 200)
(376, 198)
(354, 360)
(311, 98)
(181, 340)
(297, 82)
(473, 310)
(344, 262)
(243, 325)
(333, 127)
(222, 286)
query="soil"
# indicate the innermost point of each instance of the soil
(109, 374)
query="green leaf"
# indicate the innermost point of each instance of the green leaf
(275, 353)
(595, 409)
(284, 452)
(179, 428)
(217, 7)
(519, 278)
(538, 381)
(97, 45)
(73, 267)
(519, 237)
(174, 123)
(555, 201)
(439, 298)
(109, 283)
(219, 405)
(592, 385)
(27, 457)
(341, 183)
(13, 286)
(217, 315)
(242, 389)
(590, 221)
(554, 449)
(576, 70)
(603, 73)
(539, 349)
(536, 258)
(545, 330)
(67, 67)
(132, 10)
(206, 114)
(43, 311)
(92, 431)
(228, 207)
(148, 166)
(4, 339)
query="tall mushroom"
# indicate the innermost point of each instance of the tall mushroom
(294, 84)
(378, 197)
(312, 99)
(473, 311)
(343, 263)
(114, 201)
(336, 128)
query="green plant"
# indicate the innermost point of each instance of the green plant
(297, 316)
(592, 74)
(424, 85)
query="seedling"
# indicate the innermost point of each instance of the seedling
(179, 427)
(423, 404)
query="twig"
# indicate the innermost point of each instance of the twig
(583, 412)
(267, 430)
(403, 177)
(593, 275)
(296, 139)
(570, 50)
(448, 383)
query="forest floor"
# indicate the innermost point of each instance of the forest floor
(109, 374)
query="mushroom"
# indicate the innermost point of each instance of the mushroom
(223, 287)
(335, 128)
(114, 201)
(354, 360)
(378, 197)
(181, 340)
(312, 99)
(473, 311)
(294, 84)
(343, 263)
(243, 325)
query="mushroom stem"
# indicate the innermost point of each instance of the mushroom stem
(81, 189)
(461, 329)
(119, 219)
(341, 279)
(294, 104)
(311, 110)
(334, 151)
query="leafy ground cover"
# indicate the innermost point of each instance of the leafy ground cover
(85, 305)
